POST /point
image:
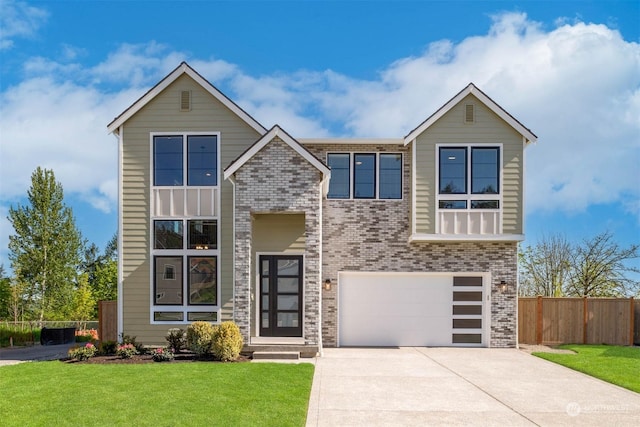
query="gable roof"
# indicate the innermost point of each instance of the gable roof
(264, 140)
(183, 68)
(482, 97)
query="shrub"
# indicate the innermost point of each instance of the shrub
(162, 354)
(175, 338)
(83, 352)
(107, 348)
(227, 341)
(199, 335)
(127, 339)
(126, 351)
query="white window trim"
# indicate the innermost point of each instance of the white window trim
(377, 177)
(185, 253)
(469, 196)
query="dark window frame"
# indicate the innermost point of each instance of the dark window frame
(178, 271)
(187, 173)
(214, 258)
(380, 176)
(376, 175)
(370, 174)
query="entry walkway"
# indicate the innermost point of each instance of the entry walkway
(460, 386)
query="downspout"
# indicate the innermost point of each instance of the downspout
(120, 301)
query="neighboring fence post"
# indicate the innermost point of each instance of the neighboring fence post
(632, 320)
(585, 320)
(539, 321)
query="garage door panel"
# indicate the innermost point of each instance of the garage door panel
(396, 309)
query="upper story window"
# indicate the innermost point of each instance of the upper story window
(198, 168)
(365, 175)
(471, 173)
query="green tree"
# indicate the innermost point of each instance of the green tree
(45, 249)
(105, 284)
(5, 294)
(545, 268)
(600, 268)
(102, 271)
(83, 301)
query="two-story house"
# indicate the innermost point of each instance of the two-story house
(409, 241)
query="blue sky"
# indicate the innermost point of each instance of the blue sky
(568, 70)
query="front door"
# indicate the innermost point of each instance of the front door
(281, 295)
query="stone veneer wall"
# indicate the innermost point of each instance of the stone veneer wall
(277, 180)
(373, 235)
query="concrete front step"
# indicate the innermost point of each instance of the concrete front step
(276, 355)
(304, 351)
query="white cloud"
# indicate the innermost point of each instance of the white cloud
(18, 19)
(576, 86)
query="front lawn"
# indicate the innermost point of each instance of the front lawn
(155, 394)
(615, 364)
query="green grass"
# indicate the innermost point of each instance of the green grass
(155, 394)
(615, 364)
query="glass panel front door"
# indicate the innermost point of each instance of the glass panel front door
(281, 295)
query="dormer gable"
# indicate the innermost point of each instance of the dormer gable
(472, 89)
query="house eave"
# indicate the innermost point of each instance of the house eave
(351, 141)
(276, 131)
(183, 68)
(482, 97)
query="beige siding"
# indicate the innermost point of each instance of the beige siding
(278, 233)
(488, 128)
(163, 114)
(275, 233)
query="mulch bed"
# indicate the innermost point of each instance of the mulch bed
(146, 358)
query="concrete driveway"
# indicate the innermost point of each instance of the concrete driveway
(459, 386)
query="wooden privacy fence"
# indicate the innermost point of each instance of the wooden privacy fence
(108, 320)
(552, 321)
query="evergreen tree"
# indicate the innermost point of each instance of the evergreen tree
(45, 249)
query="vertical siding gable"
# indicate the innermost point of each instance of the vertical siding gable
(487, 128)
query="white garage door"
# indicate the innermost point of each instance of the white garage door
(411, 309)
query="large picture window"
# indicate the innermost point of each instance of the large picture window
(365, 175)
(453, 170)
(202, 281)
(484, 170)
(168, 280)
(466, 174)
(167, 161)
(201, 160)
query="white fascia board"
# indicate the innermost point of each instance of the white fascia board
(184, 68)
(268, 137)
(422, 237)
(352, 141)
